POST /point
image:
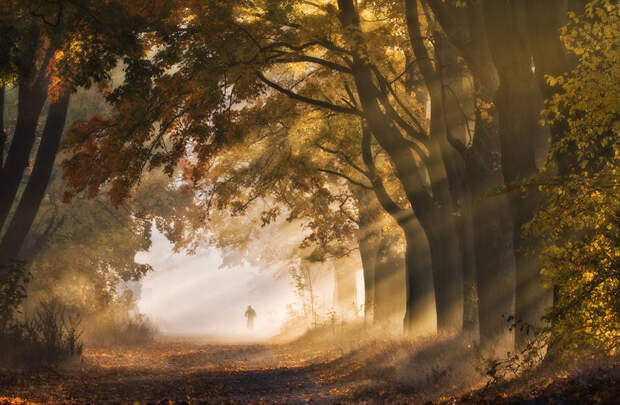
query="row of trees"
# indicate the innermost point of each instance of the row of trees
(370, 122)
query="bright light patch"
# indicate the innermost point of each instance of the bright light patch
(190, 295)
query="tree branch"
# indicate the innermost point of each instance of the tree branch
(350, 93)
(311, 59)
(457, 144)
(399, 214)
(344, 176)
(417, 40)
(308, 100)
(344, 156)
(418, 132)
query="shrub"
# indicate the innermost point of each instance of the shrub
(120, 329)
(522, 361)
(13, 281)
(47, 337)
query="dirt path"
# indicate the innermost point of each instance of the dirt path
(178, 371)
(194, 372)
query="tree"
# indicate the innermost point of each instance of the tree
(257, 55)
(508, 90)
(576, 226)
(462, 26)
(235, 74)
(83, 253)
(50, 51)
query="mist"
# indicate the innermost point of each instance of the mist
(327, 201)
(191, 294)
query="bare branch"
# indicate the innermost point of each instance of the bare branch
(350, 93)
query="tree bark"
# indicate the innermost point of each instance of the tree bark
(368, 240)
(435, 218)
(3, 137)
(518, 122)
(492, 224)
(421, 314)
(31, 101)
(34, 192)
(446, 65)
(550, 59)
(493, 241)
(420, 303)
(390, 285)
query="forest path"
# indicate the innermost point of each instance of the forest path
(182, 371)
(189, 371)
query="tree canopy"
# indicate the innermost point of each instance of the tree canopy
(396, 136)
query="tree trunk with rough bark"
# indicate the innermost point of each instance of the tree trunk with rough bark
(368, 236)
(368, 253)
(34, 192)
(435, 217)
(491, 220)
(421, 315)
(446, 72)
(31, 99)
(390, 287)
(518, 124)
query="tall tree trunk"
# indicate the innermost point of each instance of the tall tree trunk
(435, 218)
(490, 231)
(550, 59)
(31, 101)
(3, 137)
(420, 303)
(368, 236)
(458, 197)
(492, 224)
(37, 184)
(390, 286)
(517, 127)
(456, 95)
(421, 315)
(493, 241)
(368, 253)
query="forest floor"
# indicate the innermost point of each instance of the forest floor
(191, 371)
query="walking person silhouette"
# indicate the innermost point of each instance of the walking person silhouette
(250, 314)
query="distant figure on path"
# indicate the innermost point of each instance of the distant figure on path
(250, 314)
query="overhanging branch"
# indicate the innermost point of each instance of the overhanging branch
(344, 176)
(308, 100)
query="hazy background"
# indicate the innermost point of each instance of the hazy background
(191, 295)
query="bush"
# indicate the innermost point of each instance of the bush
(13, 281)
(519, 363)
(123, 329)
(47, 337)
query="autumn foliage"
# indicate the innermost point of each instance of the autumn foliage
(463, 154)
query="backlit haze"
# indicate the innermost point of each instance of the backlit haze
(191, 295)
